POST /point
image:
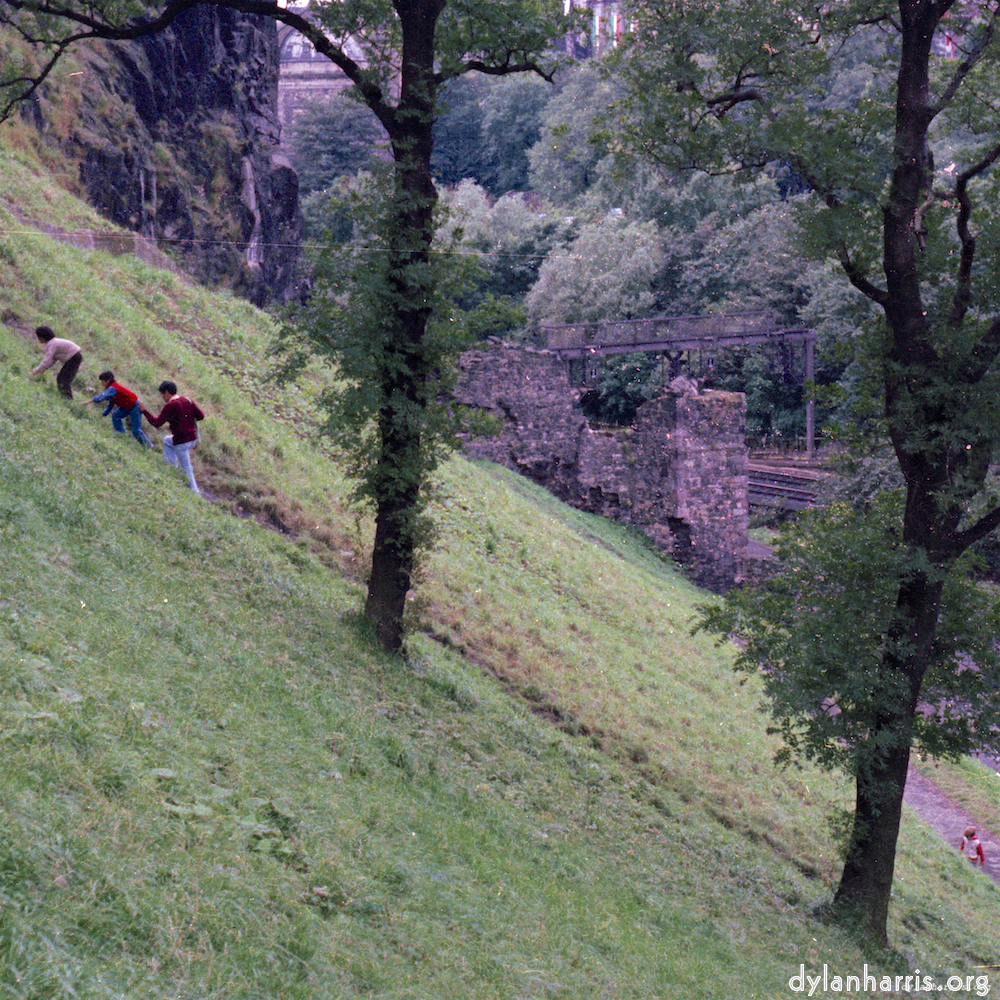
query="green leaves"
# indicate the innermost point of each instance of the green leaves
(358, 289)
(330, 139)
(608, 270)
(712, 93)
(499, 34)
(824, 635)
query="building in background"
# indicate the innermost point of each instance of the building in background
(607, 25)
(304, 74)
(307, 76)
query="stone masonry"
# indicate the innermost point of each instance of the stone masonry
(679, 474)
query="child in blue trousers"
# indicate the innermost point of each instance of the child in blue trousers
(122, 403)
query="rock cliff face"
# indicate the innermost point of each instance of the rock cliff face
(176, 137)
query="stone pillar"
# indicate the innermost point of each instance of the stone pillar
(706, 482)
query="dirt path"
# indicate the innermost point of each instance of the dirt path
(931, 805)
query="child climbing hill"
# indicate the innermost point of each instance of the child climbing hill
(182, 416)
(122, 403)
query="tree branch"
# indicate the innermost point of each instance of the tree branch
(965, 66)
(963, 280)
(97, 28)
(859, 279)
(855, 275)
(31, 83)
(961, 540)
(985, 353)
(734, 97)
(506, 69)
(94, 28)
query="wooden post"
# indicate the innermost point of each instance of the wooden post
(810, 401)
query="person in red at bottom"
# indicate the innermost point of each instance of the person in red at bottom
(182, 415)
(971, 847)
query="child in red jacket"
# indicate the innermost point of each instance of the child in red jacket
(122, 403)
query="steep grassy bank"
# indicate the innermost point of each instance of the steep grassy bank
(214, 787)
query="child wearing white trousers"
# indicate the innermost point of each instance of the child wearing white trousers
(182, 415)
(179, 455)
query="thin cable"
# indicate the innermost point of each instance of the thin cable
(244, 244)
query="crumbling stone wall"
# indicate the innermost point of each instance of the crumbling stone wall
(679, 473)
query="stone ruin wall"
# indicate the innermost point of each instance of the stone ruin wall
(679, 474)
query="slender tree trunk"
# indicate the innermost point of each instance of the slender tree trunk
(402, 465)
(392, 570)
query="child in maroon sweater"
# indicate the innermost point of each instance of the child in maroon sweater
(182, 416)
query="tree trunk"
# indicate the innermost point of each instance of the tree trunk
(883, 759)
(866, 882)
(401, 465)
(392, 569)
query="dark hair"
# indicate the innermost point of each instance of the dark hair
(168, 386)
(107, 376)
(44, 333)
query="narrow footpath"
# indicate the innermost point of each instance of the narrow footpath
(932, 806)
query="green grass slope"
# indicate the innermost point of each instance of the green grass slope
(213, 786)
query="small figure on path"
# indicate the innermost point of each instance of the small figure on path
(122, 403)
(182, 416)
(58, 349)
(971, 847)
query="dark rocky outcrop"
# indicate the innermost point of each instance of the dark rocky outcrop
(176, 137)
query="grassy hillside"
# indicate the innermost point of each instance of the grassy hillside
(214, 786)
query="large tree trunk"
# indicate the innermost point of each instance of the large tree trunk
(866, 882)
(883, 758)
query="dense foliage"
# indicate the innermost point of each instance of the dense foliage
(821, 633)
(567, 228)
(333, 138)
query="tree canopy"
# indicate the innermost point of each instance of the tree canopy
(608, 269)
(330, 139)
